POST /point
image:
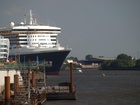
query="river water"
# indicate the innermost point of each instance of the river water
(98, 87)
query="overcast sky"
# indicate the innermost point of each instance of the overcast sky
(97, 27)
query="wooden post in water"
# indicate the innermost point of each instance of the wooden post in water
(7, 90)
(33, 79)
(29, 70)
(44, 74)
(71, 78)
(16, 83)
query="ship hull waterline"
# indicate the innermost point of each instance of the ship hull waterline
(57, 58)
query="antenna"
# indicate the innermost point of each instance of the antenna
(25, 19)
(35, 21)
(31, 17)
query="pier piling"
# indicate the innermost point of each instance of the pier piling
(71, 78)
(33, 79)
(16, 83)
(7, 90)
(64, 91)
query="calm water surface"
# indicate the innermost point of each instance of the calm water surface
(115, 88)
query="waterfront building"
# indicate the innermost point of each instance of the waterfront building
(4, 49)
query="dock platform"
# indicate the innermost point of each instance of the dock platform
(61, 92)
(32, 89)
(61, 96)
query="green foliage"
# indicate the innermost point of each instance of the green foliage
(123, 61)
(121, 64)
(106, 64)
(88, 57)
(124, 57)
(137, 63)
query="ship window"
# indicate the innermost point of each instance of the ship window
(3, 46)
(43, 43)
(53, 36)
(4, 55)
(41, 36)
(3, 50)
(54, 43)
(23, 43)
(53, 39)
(23, 40)
(42, 39)
(23, 36)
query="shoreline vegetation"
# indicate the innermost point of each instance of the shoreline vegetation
(122, 62)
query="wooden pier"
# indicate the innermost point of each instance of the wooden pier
(60, 93)
(64, 91)
(32, 89)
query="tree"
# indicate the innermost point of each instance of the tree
(106, 64)
(88, 57)
(137, 63)
(123, 61)
(124, 57)
(119, 64)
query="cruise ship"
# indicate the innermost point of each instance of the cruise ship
(36, 42)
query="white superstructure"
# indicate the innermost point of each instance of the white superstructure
(32, 36)
(4, 48)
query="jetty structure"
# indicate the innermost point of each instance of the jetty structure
(64, 91)
(30, 88)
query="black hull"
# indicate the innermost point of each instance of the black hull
(56, 57)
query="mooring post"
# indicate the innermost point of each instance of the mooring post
(33, 79)
(29, 70)
(16, 84)
(7, 90)
(71, 78)
(44, 74)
